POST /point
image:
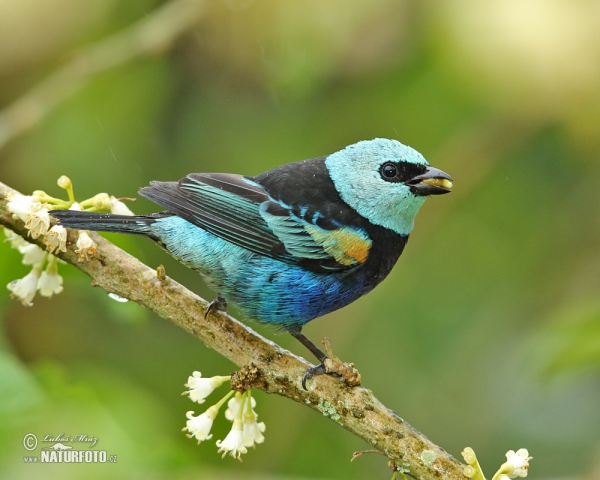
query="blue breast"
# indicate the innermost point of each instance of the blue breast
(264, 289)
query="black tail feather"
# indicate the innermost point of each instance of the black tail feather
(139, 224)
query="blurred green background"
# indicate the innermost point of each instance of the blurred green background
(487, 332)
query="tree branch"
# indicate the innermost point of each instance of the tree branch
(264, 364)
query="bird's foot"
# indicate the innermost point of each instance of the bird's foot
(332, 365)
(218, 303)
(312, 371)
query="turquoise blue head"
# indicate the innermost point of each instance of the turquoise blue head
(385, 181)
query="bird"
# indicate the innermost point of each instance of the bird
(293, 243)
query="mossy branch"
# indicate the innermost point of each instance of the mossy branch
(263, 364)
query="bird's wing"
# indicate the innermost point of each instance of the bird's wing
(238, 210)
(337, 248)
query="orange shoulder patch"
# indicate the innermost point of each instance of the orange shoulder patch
(346, 245)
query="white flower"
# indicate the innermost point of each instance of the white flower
(200, 426)
(32, 254)
(85, 246)
(252, 432)
(15, 239)
(24, 289)
(38, 222)
(118, 207)
(234, 406)
(233, 443)
(517, 463)
(56, 239)
(22, 206)
(50, 281)
(200, 388)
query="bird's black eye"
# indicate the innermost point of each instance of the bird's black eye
(397, 172)
(389, 171)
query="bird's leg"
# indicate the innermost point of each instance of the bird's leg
(218, 303)
(316, 351)
(329, 363)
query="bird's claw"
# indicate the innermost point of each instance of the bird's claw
(336, 368)
(311, 372)
(218, 303)
(330, 364)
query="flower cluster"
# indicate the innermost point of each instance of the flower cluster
(516, 465)
(34, 210)
(47, 280)
(246, 431)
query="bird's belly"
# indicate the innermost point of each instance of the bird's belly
(264, 289)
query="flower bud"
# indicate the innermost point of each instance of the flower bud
(64, 182)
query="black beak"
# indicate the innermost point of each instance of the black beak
(432, 182)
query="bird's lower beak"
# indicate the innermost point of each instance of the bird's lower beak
(432, 182)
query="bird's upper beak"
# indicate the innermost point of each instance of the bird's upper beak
(432, 182)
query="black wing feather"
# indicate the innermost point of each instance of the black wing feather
(215, 214)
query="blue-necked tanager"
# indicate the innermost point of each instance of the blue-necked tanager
(293, 243)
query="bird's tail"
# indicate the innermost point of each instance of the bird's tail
(139, 224)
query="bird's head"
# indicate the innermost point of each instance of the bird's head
(385, 181)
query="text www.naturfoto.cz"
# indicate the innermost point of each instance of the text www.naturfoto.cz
(71, 456)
